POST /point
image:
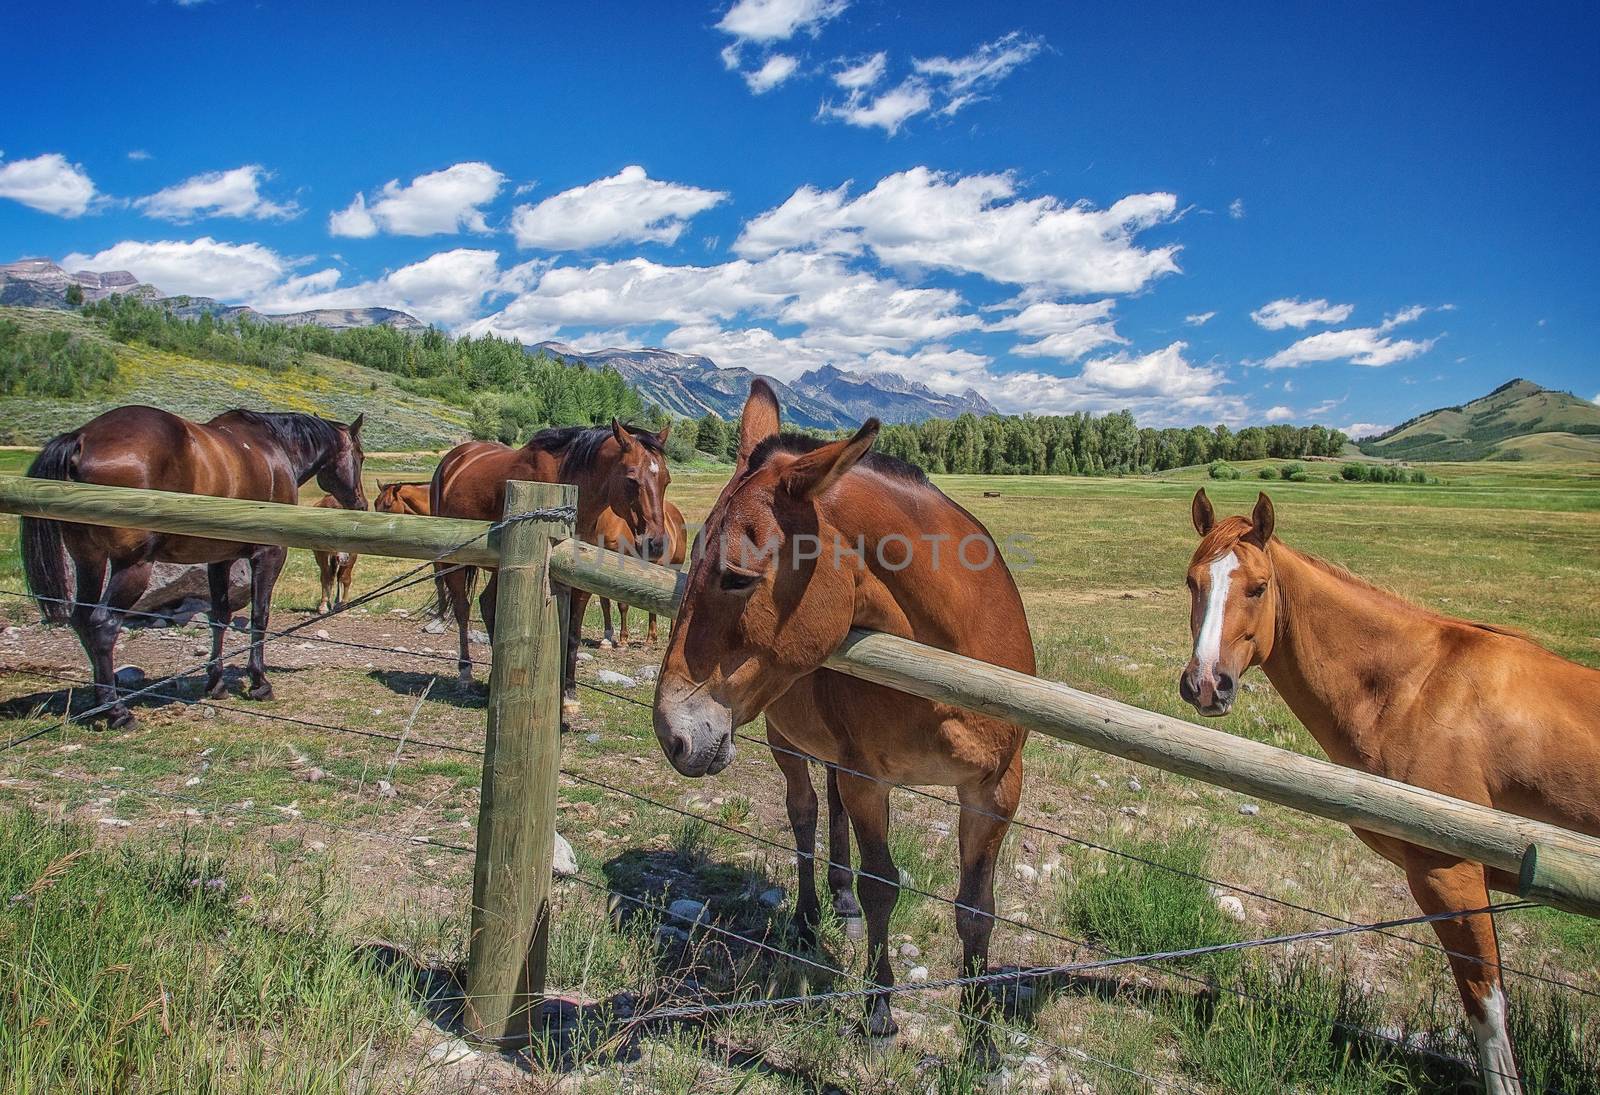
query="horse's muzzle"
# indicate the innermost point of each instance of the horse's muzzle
(695, 732)
(1210, 693)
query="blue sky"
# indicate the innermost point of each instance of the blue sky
(1345, 215)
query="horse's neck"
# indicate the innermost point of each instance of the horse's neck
(1340, 650)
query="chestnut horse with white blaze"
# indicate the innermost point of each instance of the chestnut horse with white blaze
(238, 454)
(807, 541)
(613, 535)
(618, 470)
(1466, 709)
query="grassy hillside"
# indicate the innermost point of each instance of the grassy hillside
(199, 389)
(1517, 421)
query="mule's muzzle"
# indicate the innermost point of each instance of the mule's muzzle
(696, 734)
(1208, 691)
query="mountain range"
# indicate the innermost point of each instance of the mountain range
(1519, 420)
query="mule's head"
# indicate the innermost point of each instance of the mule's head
(1233, 603)
(340, 471)
(638, 487)
(767, 597)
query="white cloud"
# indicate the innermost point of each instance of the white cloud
(1292, 312)
(1280, 413)
(1236, 209)
(1161, 388)
(975, 224)
(778, 20)
(628, 206)
(1358, 345)
(1199, 319)
(446, 288)
(439, 202)
(1357, 430)
(1160, 372)
(49, 184)
(888, 111)
(983, 67)
(1404, 315)
(138, 154)
(202, 267)
(235, 193)
(1064, 331)
(775, 70)
(862, 74)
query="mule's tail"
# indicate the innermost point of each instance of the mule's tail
(44, 553)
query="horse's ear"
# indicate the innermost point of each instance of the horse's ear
(1201, 513)
(621, 435)
(382, 486)
(821, 468)
(1262, 520)
(759, 420)
(662, 434)
(355, 427)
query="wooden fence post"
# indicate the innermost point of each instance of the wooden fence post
(522, 755)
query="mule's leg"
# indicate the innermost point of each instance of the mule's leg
(265, 564)
(1441, 883)
(867, 802)
(219, 579)
(578, 602)
(609, 639)
(841, 879)
(800, 797)
(455, 584)
(986, 810)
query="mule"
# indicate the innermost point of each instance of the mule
(335, 569)
(808, 540)
(1467, 709)
(621, 471)
(613, 535)
(253, 455)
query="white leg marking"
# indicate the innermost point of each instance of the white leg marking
(1494, 1048)
(1208, 645)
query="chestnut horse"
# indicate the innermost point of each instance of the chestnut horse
(340, 566)
(1466, 709)
(617, 470)
(808, 541)
(613, 534)
(402, 498)
(238, 454)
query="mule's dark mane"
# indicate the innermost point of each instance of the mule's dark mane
(799, 444)
(306, 434)
(580, 445)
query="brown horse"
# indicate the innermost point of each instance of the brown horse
(807, 541)
(617, 470)
(613, 534)
(1465, 709)
(238, 454)
(335, 569)
(409, 498)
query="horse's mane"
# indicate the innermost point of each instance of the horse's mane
(306, 433)
(1228, 530)
(798, 444)
(580, 445)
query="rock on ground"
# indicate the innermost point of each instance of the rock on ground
(563, 862)
(180, 592)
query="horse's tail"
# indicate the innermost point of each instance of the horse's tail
(44, 553)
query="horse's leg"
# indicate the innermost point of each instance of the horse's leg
(325, 571)
(986, 810)
(486, 602)
(219, 577)
(650, 636)
(266, 562)
(1441, 883)
(609, 639)
(347, 574)
(578, 600)
(841, 879)
(623, 638)
(91, 580)
(454, 582)
(800, 797)
(867, 802)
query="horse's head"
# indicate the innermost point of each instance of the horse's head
(636, 488)
(768, 597)
(340, 471)
(388, 498)
(1233, 603)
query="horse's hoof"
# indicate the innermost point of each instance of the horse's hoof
(322, 608)
(980, 1055)
(120, 718)
(569, 707)
(855, 928)
(262, 691)
(880, 1023)
(605, 644)
(464, 681)
(845, 906)
(216, 688)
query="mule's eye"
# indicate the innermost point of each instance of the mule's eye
(1258, 590)
(738, 581)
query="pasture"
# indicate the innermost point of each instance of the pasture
(272, 904)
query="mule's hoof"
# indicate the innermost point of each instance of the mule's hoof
(262, 691)
(464, 680)
(855, 928)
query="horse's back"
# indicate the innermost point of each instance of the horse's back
(470, 481)
(135, 446)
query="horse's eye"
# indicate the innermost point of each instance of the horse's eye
(1259, 590)
(738, 581)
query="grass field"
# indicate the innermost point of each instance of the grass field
(283, 977)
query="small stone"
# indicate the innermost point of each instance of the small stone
(1026, 874)
(906, 880)
(451, 1051)
(909, 950)
(115, 823)
(917, 975)
(563, 863)
(615, 679)
(200, 649)
(771, 899)
(481, 637)
(592, 739)
(13, 632)
(311, 775)
(669, 936)
(435, 627)
(1102, 784)
(385, 789)
(1231, 907)
(1133, 811)
(317, 846)
(322, 633)
(1135, 785)
(400, 612)
(649, 672)
(691, 912)
(192, 781)
(1030, 847)
(1249, 809)
(585, 656)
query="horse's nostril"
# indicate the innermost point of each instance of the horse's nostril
(1224, 684)
(680, 746)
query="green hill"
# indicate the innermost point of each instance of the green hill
(1517, 421)
(199, 388)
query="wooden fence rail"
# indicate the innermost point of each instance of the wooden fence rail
(1557, 866)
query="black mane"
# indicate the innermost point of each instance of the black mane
(580, 445)
(799, 443)
(300, 433)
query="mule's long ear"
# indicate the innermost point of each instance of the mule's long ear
(1201, 513)
(759, 420)
(621, 435)
(821, 468)
(1262, 520)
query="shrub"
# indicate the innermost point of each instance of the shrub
(1354, 473)
(1297, 477)
(52, 363)
(1289, 471)
(1268, 473)
(1221, 469)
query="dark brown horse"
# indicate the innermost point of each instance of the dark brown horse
(807, 541)
(238, 454)
(1466, 709)
(613, 535)
(621, 471)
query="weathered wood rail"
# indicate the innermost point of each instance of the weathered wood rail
(1556, 866)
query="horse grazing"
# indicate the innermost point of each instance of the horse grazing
(336, 569)
(613, 534)
(409, 498)
(1466, 709)
(618, 470)
(238, 454)
(807, 541)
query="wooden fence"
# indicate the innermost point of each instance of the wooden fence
(516, 818)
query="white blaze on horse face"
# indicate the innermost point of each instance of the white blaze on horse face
(1494, 1047)
(1208, 644)
(655, 469)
